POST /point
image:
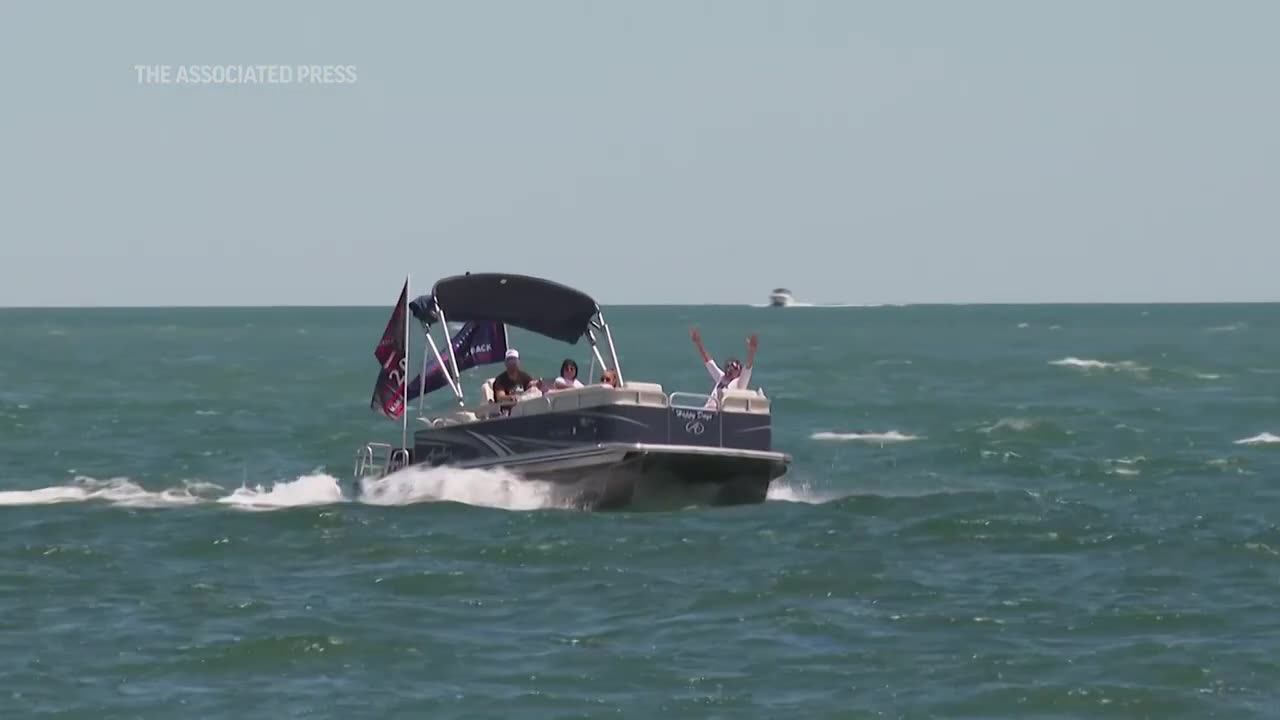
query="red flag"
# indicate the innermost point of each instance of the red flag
(392, 355)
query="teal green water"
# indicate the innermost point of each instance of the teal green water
(994, 512)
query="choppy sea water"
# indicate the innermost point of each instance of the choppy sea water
(1019, 512)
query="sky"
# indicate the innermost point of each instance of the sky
(658, 152)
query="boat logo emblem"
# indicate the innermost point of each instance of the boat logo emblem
(694, 427)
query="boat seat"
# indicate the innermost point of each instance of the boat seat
(750, 401)
(487, 410)
(645, 393)
(640, 393)
(531, 404)
(486, 390)
(454, 418)
(567, 399)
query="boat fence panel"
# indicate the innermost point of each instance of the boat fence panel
(692, 423)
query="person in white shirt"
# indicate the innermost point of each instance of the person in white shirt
(734, 376)
(568, 377)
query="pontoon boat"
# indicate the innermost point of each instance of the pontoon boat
(599, 446)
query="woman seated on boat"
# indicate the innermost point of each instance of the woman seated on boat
(568, 378)
(609, 377)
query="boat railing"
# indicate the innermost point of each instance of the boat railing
(575, 398)
(700, 401)
(379, 460)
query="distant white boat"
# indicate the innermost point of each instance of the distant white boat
(781, 297)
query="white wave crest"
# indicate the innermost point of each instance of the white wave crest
(484, 488)
(1012, 424)
(115, 491)
(1265, 438)
(799, 492)
(1232, 327)
(318, 489)
(1089, 364)
(884, 437)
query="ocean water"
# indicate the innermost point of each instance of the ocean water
(994, 512)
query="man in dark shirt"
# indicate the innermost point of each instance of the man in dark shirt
(512, 381)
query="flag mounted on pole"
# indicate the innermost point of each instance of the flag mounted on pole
(392, 354)
(477, 343)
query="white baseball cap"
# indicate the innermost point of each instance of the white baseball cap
(513, 353)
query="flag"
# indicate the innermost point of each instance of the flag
(476, 343)
(393, 356)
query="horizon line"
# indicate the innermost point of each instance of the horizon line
(801, 304)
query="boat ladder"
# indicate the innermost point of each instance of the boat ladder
(376, 460)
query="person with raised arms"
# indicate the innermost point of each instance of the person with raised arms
(734, 376)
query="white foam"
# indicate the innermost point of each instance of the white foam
(1089, 364)
(1233, 327)
(1015, 424)
(799, 493)
(891, 436)
(1125, 465)
(484, 488)
(308, 490)
(1260, 439)
(115, 491)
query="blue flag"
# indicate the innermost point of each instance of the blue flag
(475, 344)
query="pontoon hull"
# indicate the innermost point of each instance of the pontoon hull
(617, 449)
(639, 476)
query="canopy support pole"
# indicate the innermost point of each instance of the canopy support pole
(443, 367)
(453, 358)
(595, 349)
(617, 366)
(422, 376)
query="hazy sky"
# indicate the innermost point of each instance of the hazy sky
(657, 152)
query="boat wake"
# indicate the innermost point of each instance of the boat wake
(496, 489)
(481, 488)
(799, 492)
(116, 491)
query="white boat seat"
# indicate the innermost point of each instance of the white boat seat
(750, 401)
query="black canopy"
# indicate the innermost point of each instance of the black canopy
(541, 306)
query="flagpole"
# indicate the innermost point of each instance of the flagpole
(422, 374)
(408, 353)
